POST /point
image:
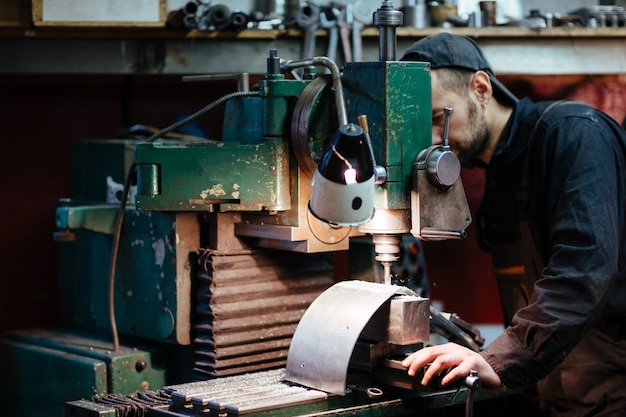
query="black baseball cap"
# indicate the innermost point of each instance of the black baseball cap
(445, 50)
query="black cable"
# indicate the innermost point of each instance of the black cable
(200, 112)
(129, 177)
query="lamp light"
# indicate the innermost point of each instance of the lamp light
(344, 181)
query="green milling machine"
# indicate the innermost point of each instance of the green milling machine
(206, 288)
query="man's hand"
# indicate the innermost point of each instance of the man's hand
(458, 359)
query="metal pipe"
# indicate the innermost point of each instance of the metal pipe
(219, 17)
(340, 102)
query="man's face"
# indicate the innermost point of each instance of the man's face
(468, 134)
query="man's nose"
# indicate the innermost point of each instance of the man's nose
(437, 139)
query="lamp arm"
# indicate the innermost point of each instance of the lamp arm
(340, 102)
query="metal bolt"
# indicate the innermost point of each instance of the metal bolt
(140, 365)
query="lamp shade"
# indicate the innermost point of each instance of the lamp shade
(344, 181)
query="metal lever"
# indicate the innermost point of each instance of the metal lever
(436, 234)
(447, 114)
(473, 383)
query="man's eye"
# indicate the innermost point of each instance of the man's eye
(437, 117)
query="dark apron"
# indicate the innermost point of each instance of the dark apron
(591, 381)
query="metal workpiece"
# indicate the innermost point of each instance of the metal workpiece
(409, 320)
(404, 321)
(324, 366)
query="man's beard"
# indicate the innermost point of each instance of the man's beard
(478, 133)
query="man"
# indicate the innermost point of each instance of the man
(553, 216)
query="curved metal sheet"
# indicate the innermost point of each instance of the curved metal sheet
(322, 344)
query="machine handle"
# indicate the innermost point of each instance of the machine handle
(432, 233)
(447, 114)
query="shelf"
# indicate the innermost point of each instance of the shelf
(104, 32)
(519, 32)
(141, 50)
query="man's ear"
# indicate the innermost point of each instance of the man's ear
(481, 85)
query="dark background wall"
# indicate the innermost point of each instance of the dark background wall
(40, 116)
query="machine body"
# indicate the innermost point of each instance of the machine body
(222, 262)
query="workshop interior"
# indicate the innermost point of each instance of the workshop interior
(235, 208)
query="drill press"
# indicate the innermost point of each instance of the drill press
(244, 204)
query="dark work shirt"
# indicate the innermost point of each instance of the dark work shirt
(576, 206)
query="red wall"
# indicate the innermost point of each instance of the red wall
(460, 272)
(40, 116)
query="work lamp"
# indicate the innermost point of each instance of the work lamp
(344, 181)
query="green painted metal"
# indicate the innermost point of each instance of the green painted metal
(192, 177)
(129, 369)
(150, 175)
(243, 121)
(100, 218)
(148, 289)
(396, 98)
(247, 171)
(36, 381)
(279, 96)
(42, 369)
